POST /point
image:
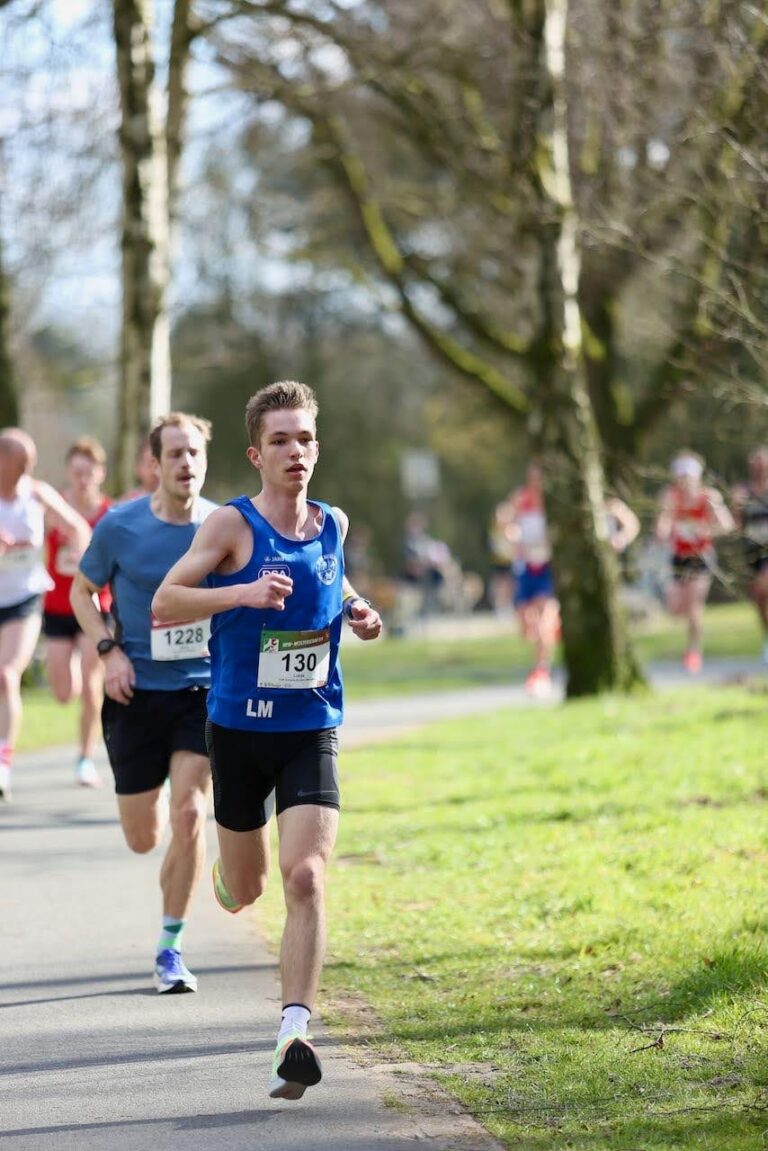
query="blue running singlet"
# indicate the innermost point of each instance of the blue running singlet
(279, 670)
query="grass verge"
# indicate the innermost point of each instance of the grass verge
(47, 723)
(421, 664)
(563, 919)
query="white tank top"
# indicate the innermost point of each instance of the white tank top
(22, 565)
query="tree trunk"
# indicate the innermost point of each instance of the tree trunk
(598, 655)
(9, 402)
(597, 652)
(145, 346)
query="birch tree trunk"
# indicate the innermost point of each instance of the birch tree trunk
(9, 402)
(598, 655)
(151, 134)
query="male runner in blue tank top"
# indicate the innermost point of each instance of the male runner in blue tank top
(156, 678)
(277, 593)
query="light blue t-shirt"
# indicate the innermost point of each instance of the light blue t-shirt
(132, 550)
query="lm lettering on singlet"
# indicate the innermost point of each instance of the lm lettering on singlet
(263, 709)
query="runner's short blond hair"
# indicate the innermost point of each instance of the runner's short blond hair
(285, 395)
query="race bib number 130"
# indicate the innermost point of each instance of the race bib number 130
(294, 659)
(188, 640)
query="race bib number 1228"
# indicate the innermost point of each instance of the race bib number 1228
(186, 640)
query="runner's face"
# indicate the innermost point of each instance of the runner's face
(183, 463)
(85, 476)
(687, 485)
(287, 452)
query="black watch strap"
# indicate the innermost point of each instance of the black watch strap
(346, 607)
(104, 646)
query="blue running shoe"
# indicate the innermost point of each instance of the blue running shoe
(171, 976)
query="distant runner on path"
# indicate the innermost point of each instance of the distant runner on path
(277, 593)
(690, 517)
(156, 678)
(72, 663)
(750, 503)
(27, 508)
(535, 599)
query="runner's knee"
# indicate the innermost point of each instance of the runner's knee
(188, 819)
(246, 886)
(10, 681)
(142, 840)
(63, 692)
(304, 880)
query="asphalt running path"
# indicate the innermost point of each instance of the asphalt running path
(92, 1058)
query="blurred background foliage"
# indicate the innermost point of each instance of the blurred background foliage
(275, 271)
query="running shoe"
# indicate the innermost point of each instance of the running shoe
(171, 975)
(295, 1067)
(692, 662)
(86, 773)
(5, 780)
(223, 898)
(538, 683)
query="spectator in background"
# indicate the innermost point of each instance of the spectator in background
(72, 663)
(750, 501)
(427, 562)
(690, 517)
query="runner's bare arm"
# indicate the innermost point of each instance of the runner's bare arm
(364, 620)
(61, 515)
(627, 523)
(664, 520)
(722, 520)
(180, 596)
(119, 676)
(739, 497)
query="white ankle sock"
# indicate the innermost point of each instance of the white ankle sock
(295, 1018)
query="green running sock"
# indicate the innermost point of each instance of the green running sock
(171, 934)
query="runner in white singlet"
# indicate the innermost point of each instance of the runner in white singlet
(27, 506)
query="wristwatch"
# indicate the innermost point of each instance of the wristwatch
(346, 607)
(104, 646)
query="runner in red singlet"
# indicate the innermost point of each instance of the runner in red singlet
(690, 517)
(72, 663)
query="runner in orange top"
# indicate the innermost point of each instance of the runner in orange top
(691, 516)
(72, 663)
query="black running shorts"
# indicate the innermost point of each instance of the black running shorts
(688, 567)
(27, 607)
(56, 625)
(142, 736)
(247, 765)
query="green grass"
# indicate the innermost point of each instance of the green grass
(562, 915)
(46, 723)
(421, 664)
(411, 664)
(729, 630)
